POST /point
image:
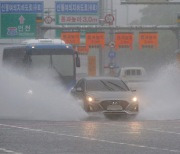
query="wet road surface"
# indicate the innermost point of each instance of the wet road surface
(90, 136)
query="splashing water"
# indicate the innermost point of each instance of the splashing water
(160, 100)
(23, 98)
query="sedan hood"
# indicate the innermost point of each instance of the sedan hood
(111, 95)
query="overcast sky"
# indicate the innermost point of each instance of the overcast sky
(133, 12)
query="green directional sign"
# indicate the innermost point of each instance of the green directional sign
(18, 18)
(76, 12)
(18, 25)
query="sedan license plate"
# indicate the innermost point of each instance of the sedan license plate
(114, 107)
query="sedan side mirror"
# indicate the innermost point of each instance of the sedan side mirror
(79, 89)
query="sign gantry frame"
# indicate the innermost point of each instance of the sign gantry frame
(116, 28)
(149, 2)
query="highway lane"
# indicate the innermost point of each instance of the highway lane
(90, 136)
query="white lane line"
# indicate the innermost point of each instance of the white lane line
(5, 128)
(162, 131)
(152, 129)
(92, 139)
(9, 151)
(129, 132)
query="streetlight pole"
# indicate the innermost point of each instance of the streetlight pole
(127, 14)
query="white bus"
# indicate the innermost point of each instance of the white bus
(44, 54)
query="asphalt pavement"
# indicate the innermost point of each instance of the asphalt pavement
(94, 135)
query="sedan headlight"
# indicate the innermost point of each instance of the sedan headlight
(89, 99)
(134, 99)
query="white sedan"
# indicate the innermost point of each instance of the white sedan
(107, 94)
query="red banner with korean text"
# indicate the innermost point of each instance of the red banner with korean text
(124, 40)
(95, 39)
(82, 49)
(71, 37)
(148, 40)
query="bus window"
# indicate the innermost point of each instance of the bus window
(128, 72)
(139, 72)
(40, 61)
(133, 72)
(63, 64)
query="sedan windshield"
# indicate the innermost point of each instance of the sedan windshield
(106, 85)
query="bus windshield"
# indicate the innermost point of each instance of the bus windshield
(43, 62)
(62, 64)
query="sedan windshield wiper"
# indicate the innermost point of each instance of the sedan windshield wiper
(116, 85)
(109, 88)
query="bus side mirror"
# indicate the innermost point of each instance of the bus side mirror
(78, 63)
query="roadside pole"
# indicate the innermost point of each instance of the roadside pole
(101, 53)
(111, 40)
(39, 23)
(177, 52)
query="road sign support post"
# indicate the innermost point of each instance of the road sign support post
(40, 33)
(39, 22)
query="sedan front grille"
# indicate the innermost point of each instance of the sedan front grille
(122, 103)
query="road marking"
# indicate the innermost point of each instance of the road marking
(128, 132)
(162, 131)
(152, 129)
(5, 128)
(9, 151)
(91, 139)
